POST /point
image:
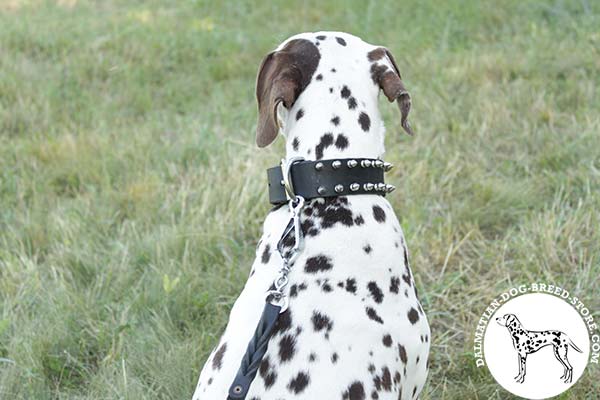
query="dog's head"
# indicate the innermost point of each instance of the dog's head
(329, 82)
(508, 320)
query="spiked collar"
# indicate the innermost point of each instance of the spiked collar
(327, 178)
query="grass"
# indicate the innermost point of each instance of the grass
(125, 125)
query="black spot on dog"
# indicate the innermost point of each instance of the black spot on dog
(267, 372)
(406, 260)
(309, 228)
(372, 314)
(352, 103)
(299, 114)
(364, 121)
(266, 255)
(330, 90)
(413, 316)
(318, 263)
(345, 92)
(383, 381)
(321, 37)
(308, 224)
(406, 278)
(295, 144)
(319, 77)
(333, 70)
(330, 211)
(321, 322)
(312, 357)
(378, 214)
(375, 292)
(341, 142)
(335, 120)
(387, 340)
(394, 284)
(359, 220)
(334, 358)
(299, 383)
(217, 361)
(402, 353)
(351, 285)
(397, 377)
(284, 322)
(355, 391)
(340, 41)
(287, 348)
(326, 141)
(367, 249)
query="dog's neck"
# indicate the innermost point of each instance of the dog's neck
(328, 122)
(512, 329)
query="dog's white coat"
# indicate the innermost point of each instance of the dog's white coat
(354, 338)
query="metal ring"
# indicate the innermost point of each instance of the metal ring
(281, 282)
(278, 299)
(286, 168)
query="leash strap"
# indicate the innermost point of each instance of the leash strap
(276, 302)
(254, 353)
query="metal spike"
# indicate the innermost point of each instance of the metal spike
(336, 164)
(282, 182)
(365, 163)
(319, 166)
(387, 166)
(338, 188)
(321, 190)
(354, 187)
(352, 163)
(368, 186)
(378, 163)
(390, 188)
(380, 187)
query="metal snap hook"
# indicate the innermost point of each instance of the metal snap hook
(286, 168)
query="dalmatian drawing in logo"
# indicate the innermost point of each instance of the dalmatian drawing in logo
(528, 342)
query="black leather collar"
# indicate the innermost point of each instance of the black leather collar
(330, 178)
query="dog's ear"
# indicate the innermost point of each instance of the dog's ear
(275, 84)
(282, 76)
(390, 81)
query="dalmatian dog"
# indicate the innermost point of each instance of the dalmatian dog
(527, 342)
(354, 329)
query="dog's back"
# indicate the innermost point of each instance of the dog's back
(354, 328)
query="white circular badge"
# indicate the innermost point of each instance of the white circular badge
(536, 346)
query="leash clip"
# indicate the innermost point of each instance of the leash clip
(277, 296)
(286, 170)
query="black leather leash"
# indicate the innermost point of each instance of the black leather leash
(294, 182)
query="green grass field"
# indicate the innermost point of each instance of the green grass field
(132, 194)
